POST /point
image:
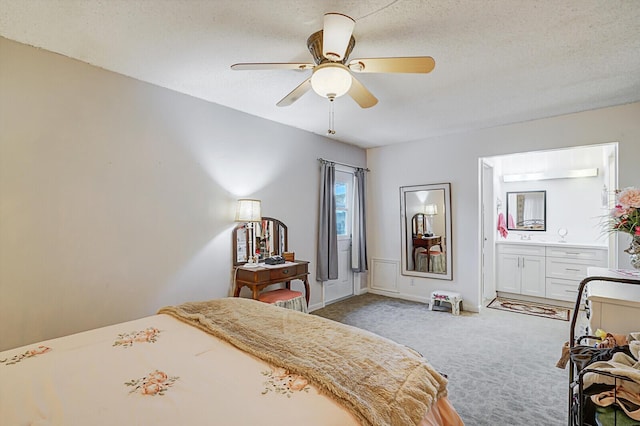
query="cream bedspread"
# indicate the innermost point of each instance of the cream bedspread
(377, 380)
(180, 376)
(159, 370)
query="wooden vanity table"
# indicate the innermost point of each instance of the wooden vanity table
(271, 237)
(265, 275)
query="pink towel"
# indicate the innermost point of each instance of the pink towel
(502, 226)
(511, 224)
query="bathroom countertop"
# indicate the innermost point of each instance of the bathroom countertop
(542, 242)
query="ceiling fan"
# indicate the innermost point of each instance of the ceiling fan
(332, 74)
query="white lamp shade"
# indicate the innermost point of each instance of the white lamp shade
(431, 209)
(248, 211)
(331, 80)
(336, 34)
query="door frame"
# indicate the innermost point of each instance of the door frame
(487, 237)
(346, 175)
(612, 167)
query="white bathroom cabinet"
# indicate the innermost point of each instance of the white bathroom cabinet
(546, 270)
(521, 269)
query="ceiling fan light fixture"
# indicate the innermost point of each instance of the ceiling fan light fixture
(333, 74)
(331, 80)
(336, 35)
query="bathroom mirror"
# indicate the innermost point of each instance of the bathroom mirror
(426, 230)
(270, 239)
(527, 211)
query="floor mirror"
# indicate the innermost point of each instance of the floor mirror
(426, 230)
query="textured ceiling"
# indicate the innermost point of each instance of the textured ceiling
(497, 61)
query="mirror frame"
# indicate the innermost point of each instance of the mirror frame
(544, 213)
(406, 229)
(277, 226)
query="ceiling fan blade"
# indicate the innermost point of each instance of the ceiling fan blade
(361, 94)
(272, 66)
(413, 64)
(296, 93)
(336, 35)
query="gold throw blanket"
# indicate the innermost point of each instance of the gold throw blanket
(379, 381)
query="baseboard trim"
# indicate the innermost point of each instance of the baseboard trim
(410, 297)
(361, 291)
(315, 307)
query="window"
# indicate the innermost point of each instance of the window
(342, 191)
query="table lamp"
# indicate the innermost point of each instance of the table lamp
(248, 211)
(430, 210)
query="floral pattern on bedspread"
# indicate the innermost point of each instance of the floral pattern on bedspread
(280, 381)
(154, 383)
(148, 335)
(28, 354)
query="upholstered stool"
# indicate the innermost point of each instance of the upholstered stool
(285, 298)
(437, 262)
(420, 260)
(455, 299)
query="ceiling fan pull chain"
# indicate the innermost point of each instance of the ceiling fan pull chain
(331, 130)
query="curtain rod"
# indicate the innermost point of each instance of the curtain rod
(322, 160)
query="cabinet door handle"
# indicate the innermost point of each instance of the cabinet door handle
(518, 262)
(571, 291)
(572, 269)
(523, 262)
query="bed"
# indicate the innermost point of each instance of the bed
(230, 361)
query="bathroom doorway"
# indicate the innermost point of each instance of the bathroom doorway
(558, 173)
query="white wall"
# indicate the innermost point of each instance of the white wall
(454, 159)
(574, 204)
(117, 196)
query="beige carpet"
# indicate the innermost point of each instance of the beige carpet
(501, 366)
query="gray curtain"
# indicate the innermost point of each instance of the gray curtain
(359, 234)
(327, 262)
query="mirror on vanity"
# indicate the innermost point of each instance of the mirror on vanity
(426, 230)
(419, 224)
(527, 211)
(270, 239)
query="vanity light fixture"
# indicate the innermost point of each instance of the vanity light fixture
(551, 174)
